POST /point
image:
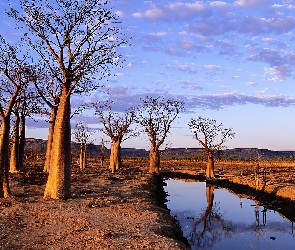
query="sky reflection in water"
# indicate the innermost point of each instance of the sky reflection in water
(214, 218)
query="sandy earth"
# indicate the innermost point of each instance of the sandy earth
(112, 211)
(107, 211)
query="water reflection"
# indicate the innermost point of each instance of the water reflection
(210, 224)
(214, 218)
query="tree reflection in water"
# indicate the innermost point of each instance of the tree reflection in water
(210, 226)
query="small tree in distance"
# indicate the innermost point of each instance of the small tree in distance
(156, 115)
(82, 134)
(211, 136)
(117, 127)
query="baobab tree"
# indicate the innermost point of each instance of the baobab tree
(117, 126)
(49, 90)
(15, 76)
(14, 141)
(156, 115)
(28, 103)
(76, 41)
(211, 136)
(82, 134)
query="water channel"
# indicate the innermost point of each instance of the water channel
(215, 218)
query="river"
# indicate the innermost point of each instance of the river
(215, 218)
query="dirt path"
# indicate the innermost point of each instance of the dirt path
(107, 211)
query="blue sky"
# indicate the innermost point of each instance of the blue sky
(232, 61)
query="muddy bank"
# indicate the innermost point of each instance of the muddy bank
(266, 197)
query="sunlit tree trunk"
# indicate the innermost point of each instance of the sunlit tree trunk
(210, 167)
(115, 156)
(50, 139)
(154, 160)
(22, 141)
(4, 157)
(58, 185)
(81, 156)
(14, 149)
(84, 155)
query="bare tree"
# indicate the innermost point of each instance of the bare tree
(14, 78)
(49, 90)
(14, 141)
(156, 115)
(117, 127)
(212, 137)
(77, 42)
(28, 103)
(82, 135)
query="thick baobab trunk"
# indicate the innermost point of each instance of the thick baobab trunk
(115, 156)
(210, 167)
(59, 180)
(22, 142)
(50, 139)
(14, 149)
(4, 157)
(154, 160)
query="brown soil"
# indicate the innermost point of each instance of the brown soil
(116, 211)
(107, 211)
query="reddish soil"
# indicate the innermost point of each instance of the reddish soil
(107, 211)
(116, 211)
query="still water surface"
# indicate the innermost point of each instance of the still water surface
(215, 218)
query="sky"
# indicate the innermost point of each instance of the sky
(232, 61)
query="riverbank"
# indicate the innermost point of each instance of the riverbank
(106, 211)
(273, 186)
(272, 178)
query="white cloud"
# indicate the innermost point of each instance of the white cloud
(277, 73)
(211, 66)
(119, 13)
(174, 11)
(186, 44)
(158, 34)
(219, 4)
(251, 3)
(252, 84)
(120, 74)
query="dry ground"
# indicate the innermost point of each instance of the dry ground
(107, 211)
(113, 211)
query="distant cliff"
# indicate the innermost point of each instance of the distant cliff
(240, 153)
